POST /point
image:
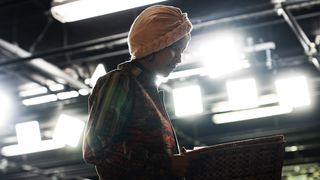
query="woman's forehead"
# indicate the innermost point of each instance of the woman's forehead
(182, 42)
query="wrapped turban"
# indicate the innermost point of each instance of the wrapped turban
(156, 28)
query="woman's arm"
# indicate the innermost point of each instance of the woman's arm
(109, 107)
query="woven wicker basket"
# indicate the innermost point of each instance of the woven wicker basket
(251, 159)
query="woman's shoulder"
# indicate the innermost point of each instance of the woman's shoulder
(114, 78)
(115, 74)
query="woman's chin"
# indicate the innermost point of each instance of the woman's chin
(164, 74)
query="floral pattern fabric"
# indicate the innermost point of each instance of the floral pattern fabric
(129, 134)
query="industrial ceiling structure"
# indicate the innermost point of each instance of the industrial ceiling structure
(47, 67)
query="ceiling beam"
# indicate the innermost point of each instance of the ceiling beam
(43, 65)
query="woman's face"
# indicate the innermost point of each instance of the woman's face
(167, 59)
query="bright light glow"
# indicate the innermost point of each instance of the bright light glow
(83, 92)
(83, 9)
(68, 130)
(187, 100)
(17, 149)
(291, 148)
(87, 81)
(242, 94)
(5, 108)
(250, 114)
(32, 92)
(160, 80)
(100, 71)
(56, 87)
(260, 47)
(28, 133)
(40, 100)
(181, 74)
(67, 95)
(314, 60)
(186, 73)
(224, 106)
(280, 11)
(293, 92)
(268, 99)
(220, 55)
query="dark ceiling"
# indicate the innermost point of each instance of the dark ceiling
(76, 48)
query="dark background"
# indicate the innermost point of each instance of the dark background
(76, 48)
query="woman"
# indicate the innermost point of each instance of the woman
(129, 134)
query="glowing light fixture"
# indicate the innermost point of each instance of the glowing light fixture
(220, 55)
(40, 100)
(293, 91)
(100, 71)
(67, 95)
(56, 87)
(29, 141)
(83, 92)
(250, 114)
(17, 149)
(294, 148)
(5, 107)
(187, 100)
(291, 148)
(224, 106)
(181, 74)
(242, 94)
(28, 133)
(69, 11)
(32, 92)
(68, 130)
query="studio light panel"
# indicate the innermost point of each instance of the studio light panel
(17, 149)
(28, 133)
(40, 100)
(74, 10)
(220, 54)
(250, 114)
(293, 91)
(68, 130)
(6, 108)
(187, 100)
(242, 94)
(98, 72)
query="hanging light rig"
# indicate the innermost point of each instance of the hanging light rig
(309, 47)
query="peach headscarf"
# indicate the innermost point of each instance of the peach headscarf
(157, 27)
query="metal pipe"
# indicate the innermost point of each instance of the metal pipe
(302, 37)
(43, 65)
(308, 46)
(58, 51)
(102, 56)
(197, 25)
(253, 15)
(301, 4)
(233, 18)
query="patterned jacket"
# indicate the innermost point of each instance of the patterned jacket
(129, 134)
